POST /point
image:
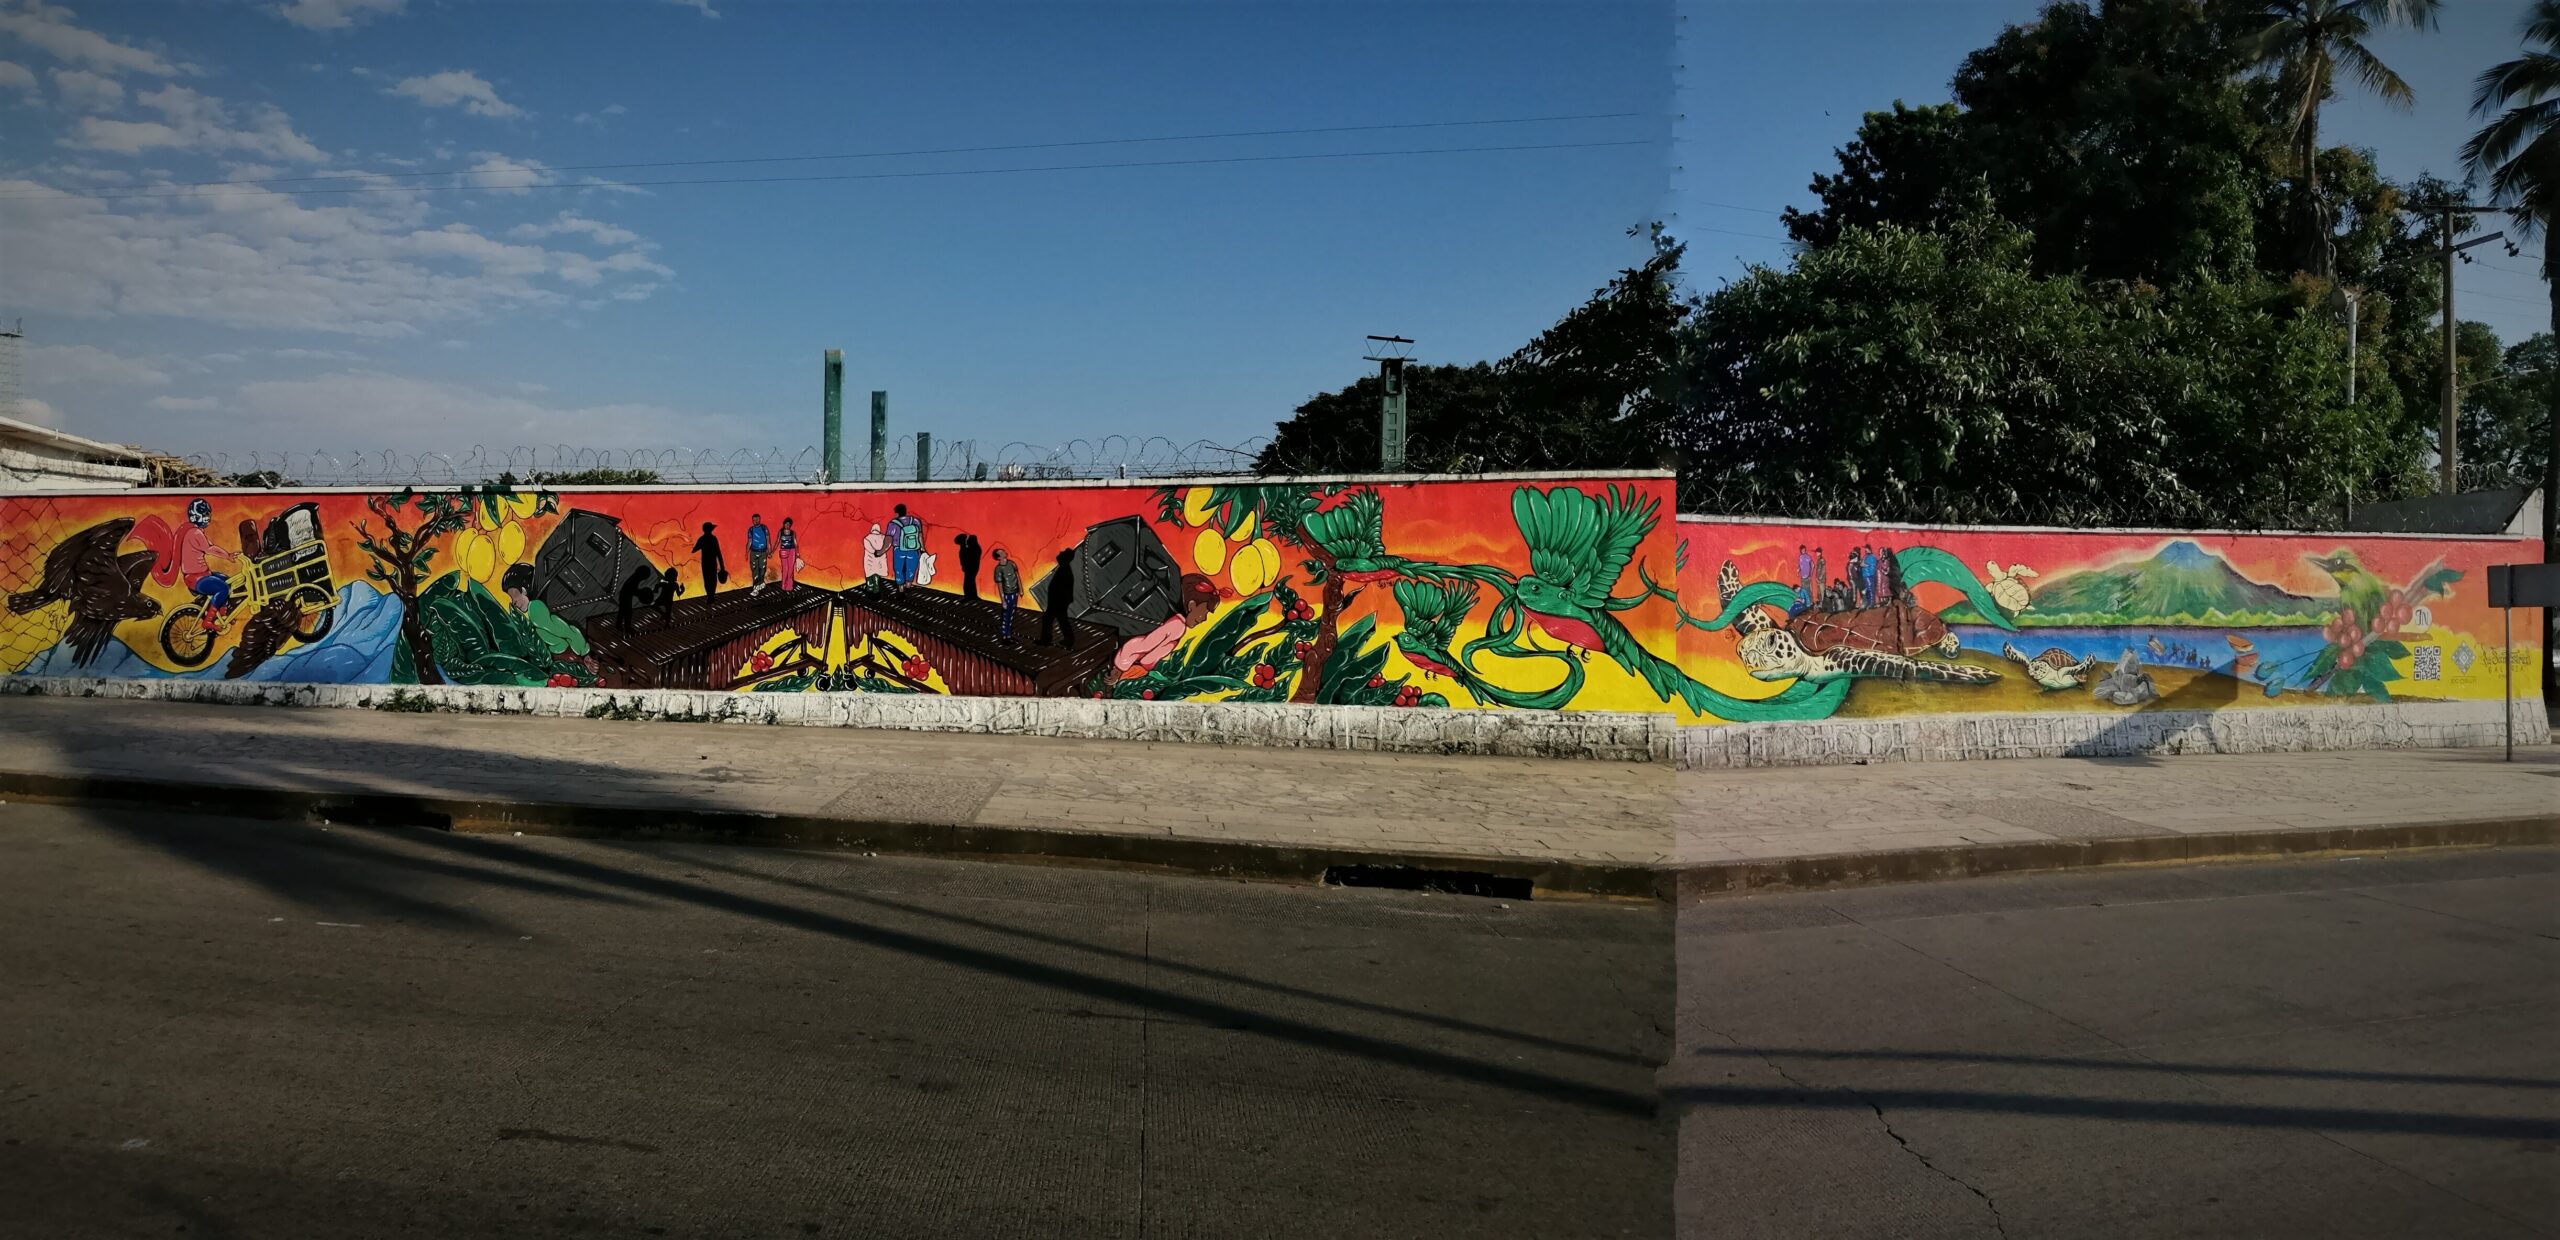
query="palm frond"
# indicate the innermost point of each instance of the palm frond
(2525, 79)
(2542, 23)
(2376, 76)
(2495, 146)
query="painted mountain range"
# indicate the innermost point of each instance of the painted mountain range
(2182, 584)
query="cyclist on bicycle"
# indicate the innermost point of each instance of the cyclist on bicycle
(196, 552)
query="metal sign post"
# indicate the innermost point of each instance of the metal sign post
(2512, 586)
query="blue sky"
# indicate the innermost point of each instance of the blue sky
(1185, 302)
(1190, 302)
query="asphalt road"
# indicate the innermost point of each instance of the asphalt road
(2326, 1048)
(214, 1027)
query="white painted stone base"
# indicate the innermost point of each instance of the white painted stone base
(1939, 738)
(1604, 735)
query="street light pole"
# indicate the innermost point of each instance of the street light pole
(2448, 452)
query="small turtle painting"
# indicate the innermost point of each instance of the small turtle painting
(103, 588)
(2054, 669)
(1769, 651)
(2008, 587)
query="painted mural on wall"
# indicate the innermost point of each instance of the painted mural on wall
(1839, 621)
(1549, 594)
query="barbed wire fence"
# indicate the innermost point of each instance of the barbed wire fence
(1111, 456)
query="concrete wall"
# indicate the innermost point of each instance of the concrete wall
(1390, 594)
(1517, 615)
(2018, 643)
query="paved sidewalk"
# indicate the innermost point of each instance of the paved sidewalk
(1601, 828)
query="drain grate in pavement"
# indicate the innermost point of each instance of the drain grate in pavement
(2059, 819)
(1407, 878)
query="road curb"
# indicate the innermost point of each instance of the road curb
(1162, 854)
(1980, 860)
(1248, 860)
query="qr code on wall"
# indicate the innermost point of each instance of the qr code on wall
(2426, 663)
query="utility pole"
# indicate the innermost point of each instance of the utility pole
(924, 456)
(833, 446)
(879, 436)
(2448, 452)
(1390, 353)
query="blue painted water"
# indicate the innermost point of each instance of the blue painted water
(2203, 649)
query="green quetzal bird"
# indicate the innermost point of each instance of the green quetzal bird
(1353, 532)
(1578, 548)
(1433, 610)
(2360, 593)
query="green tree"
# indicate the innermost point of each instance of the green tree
(2505, 425)
(1451, 413)
(2519, 152)
(1903, 374)
(2304, 44)
(1590, 392)
(2121, 134)
(1911, 166)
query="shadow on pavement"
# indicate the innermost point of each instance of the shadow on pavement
(341, 867)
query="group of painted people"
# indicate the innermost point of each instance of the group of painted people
(1873, 580)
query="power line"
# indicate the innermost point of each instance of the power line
(1728, 206)
(856, 176)
(942, 150)
(1728, 232)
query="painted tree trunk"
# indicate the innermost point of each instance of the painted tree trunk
(1328, 631)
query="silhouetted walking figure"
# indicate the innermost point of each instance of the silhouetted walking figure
(1062, 593)
(713, 570)
(669, 586)
(635, 588)
(969, 551)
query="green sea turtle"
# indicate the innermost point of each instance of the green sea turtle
(2054, 669)
(1770, 652)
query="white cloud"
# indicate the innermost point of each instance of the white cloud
(572, 222)
(88, 92)
(456, 88)
(600, 115)
(56, 365)
(43, 26)
(335, 14)
(32, 410)
(196, 122)
(700, 6)
(17, 77)
(505, 175)
(378, 264)
(185, 404)
(396, 411)
(313, 355)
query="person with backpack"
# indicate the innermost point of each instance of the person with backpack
(906, 546)
(1008, 588)
(759, 546)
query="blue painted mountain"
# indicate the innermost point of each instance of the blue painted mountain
(357, 650)
(2184, 584)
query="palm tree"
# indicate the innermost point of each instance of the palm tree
(2519, 150)
(2305, 43)
(2519, 153)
